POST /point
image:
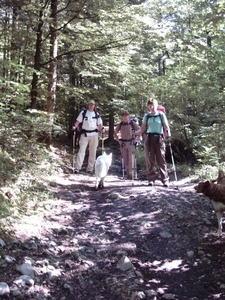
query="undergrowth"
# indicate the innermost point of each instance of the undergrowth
(27, 167)
(200, 171)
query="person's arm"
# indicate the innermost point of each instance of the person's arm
(141, 130)
(166, 127)
(136, 137)
(75, 125)
(78, 121)
(115, 135)
(100, 126)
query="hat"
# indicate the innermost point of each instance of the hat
(91, 101)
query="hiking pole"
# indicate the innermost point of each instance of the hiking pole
(173, 163)
(123, 170)
(133, 164)
(122, 161)
(102, 144)
(74, 136)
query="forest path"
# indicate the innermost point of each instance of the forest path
(126, 241)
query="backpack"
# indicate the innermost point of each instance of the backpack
(161, 110)
(79, 129)
(131, 123)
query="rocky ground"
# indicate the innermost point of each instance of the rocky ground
(127, 241)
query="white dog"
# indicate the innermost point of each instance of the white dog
(102, 164)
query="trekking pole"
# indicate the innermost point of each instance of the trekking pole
(135, 166)
(102, 144)
(133, 163)
(74, 136)
(122, 161)
(123, 170)
(173, 163)
(134, 170)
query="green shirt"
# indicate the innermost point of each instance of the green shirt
(154, 122)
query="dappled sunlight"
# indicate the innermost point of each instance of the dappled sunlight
(119, 237)
(167, 265)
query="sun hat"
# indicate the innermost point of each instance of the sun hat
(91, 102)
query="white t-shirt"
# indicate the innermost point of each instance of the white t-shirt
(89, 122)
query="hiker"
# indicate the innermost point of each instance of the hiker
(127, 128)
(91, 125)
(154, 124)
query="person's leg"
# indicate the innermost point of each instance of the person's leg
(122, 155)
(93, 144)
(161, 161)
(126, 157)
(81, 153)
(130, 149)
(152, 152)
(147, 155)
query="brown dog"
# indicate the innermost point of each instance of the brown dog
(216, 193)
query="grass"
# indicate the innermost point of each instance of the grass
(25, 186)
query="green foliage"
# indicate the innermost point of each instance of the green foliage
(140, 156)
(119, 54)
(207, 156)
(24, 162)
(207, 172)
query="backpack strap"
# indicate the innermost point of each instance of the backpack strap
(132, 124)
(160, 114)
(84, 114)
(161, 118)
(95, 117)
(125, 124)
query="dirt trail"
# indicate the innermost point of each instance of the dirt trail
(126, 241)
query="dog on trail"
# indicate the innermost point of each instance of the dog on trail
(102, 164)
(216, 193)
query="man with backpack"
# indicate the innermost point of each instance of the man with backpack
(91, 124)
(156, 128)
(127, 142)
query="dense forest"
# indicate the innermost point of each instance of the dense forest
(55, 55)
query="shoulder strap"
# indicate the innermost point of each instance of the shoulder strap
(96, 114)
(121, 123)
(130, 123)
(84, 113)
(161, 118)
(147, 117)
(159, 115)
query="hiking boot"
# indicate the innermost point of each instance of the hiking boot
(89, 171)
(76, 171)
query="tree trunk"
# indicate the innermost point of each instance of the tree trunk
(111, 125)
(37, 61)
(52, 77)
